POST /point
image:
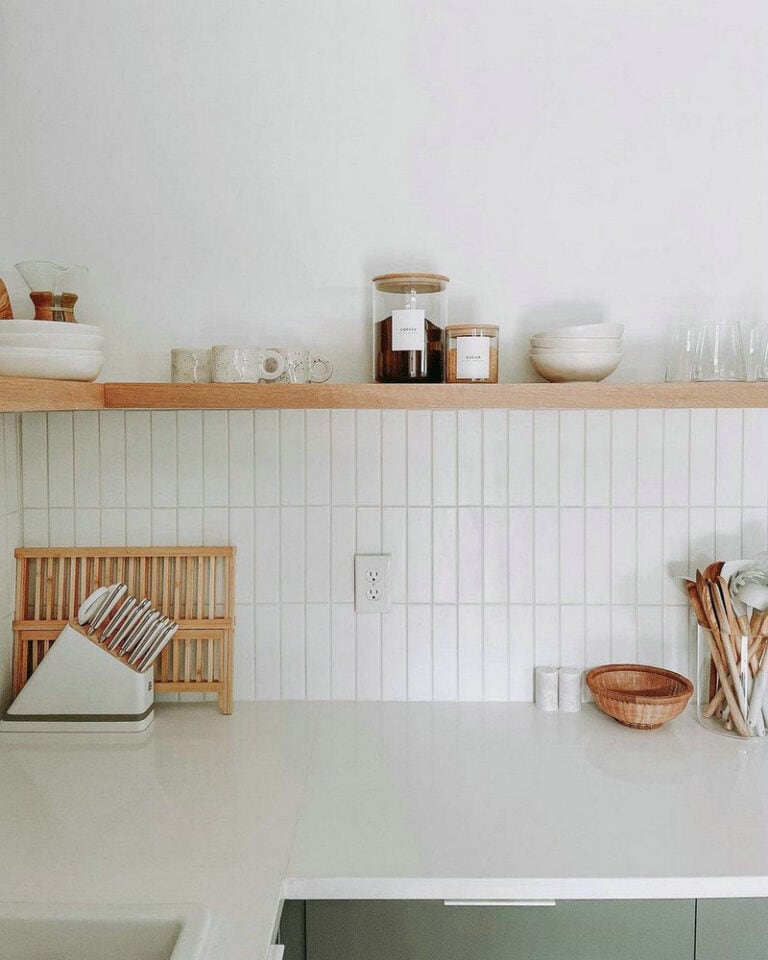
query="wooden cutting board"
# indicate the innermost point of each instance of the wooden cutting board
(6, 313)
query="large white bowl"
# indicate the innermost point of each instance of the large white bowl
(586, 330)
(50, 341)
(50, 326)
(569, 367)
(590, 344)
(51, 364)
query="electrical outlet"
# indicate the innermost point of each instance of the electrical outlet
(372, 593)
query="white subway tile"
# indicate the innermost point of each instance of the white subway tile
(292, 555)
(164, 460)
(495, 482)
(292, 457)
(138, 526)
(34, 460)
(343, 668)
(190, 521)
(368, 530)
(368, 656)
(61, 460)
(520, 466)
(598, 636)
(572, 553)
(623, 555)
(419, 457)
(112, 525)
(342, 554)
(215, 526)
(394, 655)
(10, 446)
(623, 458)
(546, 621)
(35, 527)
(520, 555)
(343, 457)
(266, 635)
(244, 687)
(521, 652)
(87, 473)
(546, 454)
(419, 555)
(650, 554)
(650, 635)
(650, 458)
(703, 457)
(597, 547)
(573, 637)
(755, 469)
(112, 457)
(730, 429)
(393, 464)
(215, 458)
(470, 457)
(242, 536)
(701, 550)
(445, 666)
(728, 533)
(444, 458)
(676, 563)
(138, 457)
(317, 556)
(164, 527)
(470, 554)
(87, 527)
(62, 527)
(495, 652)
(318, 457)
(676, 457)
(754, 531)
(241, 458)
(546, 525)
(495, 555)
(266, 563)
(444, 554)
(470, 652)
(266, 437)
(318, 651)
(293, 684)
(394, 542)
(189, 424)
(676, 640)
(598, 458)
(623, 634)
(368, 457)
(572, 465)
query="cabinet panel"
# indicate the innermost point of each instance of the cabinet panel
(735, 929)
(571, 930)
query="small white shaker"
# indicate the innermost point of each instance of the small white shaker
(546, 688)
(570, 689)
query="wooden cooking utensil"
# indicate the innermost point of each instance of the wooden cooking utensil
(6, 311)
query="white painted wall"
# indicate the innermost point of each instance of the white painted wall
(236, 171)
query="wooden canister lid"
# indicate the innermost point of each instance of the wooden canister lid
(472, 330)
(417, 282)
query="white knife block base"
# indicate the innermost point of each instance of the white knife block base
(81, 688)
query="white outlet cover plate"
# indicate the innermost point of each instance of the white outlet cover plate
(372, 574)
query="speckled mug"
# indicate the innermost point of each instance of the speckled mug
(190, 366)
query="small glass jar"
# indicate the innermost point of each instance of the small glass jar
(712, 707)
(472, 354)
(409, 315)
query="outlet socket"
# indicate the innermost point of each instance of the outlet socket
(372, 583)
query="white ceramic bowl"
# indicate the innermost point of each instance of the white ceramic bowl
(566, 367)
(590, 344)
(51, 364)
(50, 326)
(50, 341)
(589, 330)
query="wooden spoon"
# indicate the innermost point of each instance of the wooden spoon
(6, 311)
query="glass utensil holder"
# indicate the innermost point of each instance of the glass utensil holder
(730, 687)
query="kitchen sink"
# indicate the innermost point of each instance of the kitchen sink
(62, 932)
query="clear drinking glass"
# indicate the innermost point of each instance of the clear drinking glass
(757, 353)
(720, 352)
(681, 363)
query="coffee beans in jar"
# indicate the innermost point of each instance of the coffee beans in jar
(409, 314)
(472, 354)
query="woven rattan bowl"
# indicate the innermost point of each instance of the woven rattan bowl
(639, 696)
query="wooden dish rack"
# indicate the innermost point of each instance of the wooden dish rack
(192, 585)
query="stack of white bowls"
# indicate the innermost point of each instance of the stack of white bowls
(585, 351)
(52, 350)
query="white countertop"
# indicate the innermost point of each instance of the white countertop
(438, 801)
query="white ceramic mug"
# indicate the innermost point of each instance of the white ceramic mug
(245, 364)
(190, 366)
(304, 367)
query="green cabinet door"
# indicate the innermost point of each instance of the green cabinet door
(732, 930)
(571, 930)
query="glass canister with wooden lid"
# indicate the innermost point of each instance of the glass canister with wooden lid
(472, 353)
(410, 311)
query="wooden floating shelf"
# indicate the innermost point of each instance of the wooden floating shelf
(19, 395)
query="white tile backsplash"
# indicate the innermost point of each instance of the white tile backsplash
(517, 537)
